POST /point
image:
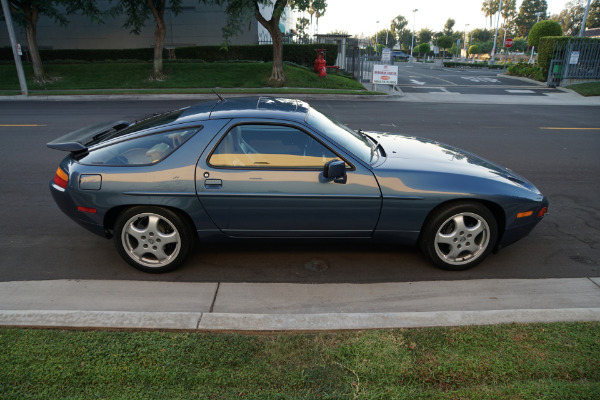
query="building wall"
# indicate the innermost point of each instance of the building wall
(196, 25)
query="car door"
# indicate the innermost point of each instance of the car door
(264, 179)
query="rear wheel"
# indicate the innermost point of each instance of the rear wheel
(459, 236)
(152, 239)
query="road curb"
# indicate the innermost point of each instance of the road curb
(286, 322)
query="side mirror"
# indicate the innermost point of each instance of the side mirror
(336, 171)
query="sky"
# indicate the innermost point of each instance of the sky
(360, 17)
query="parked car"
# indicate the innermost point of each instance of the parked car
(262, 167)
(400, 55)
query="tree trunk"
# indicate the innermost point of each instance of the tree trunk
(159, 40)
(31, 18)
(277, 78)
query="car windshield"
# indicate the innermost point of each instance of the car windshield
(356, 143)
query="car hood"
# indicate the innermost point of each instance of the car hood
(411, 153)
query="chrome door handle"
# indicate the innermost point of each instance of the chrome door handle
(213, 184)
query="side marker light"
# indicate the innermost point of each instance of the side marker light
(86, 209)
(524, 214)
(542, 212)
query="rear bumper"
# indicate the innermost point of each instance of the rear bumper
(67, 206)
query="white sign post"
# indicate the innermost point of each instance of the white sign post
(385, 75)
(386, 55)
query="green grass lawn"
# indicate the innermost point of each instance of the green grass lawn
(186, 76)
(586, 89)
(538, 361)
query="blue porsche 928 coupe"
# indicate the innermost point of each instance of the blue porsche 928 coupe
(264, 167)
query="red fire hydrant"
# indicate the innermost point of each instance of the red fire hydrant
(320, 62)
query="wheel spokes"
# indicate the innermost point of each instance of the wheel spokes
(151, 239)
(462, 238)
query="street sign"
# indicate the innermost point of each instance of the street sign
(386, 55)
(385, 74)
(508, 42)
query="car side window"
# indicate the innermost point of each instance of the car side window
(144, 150)
(270, 146)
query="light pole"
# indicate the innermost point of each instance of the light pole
(376, 37)
(412, 44)
(537, 14)
(496, 35)
(585, 15)
(13, 43)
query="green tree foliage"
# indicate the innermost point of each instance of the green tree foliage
(449, 27)
(423, 48)
(571, 17)
(401, 32)
(593, 19)
(490, 8)
(27, 13)
(240, 11)
(481, 35)
(385, 38)
(527, 18)
(425, 35)
(474, 49)
(543, 29)
(302, 28)
(137, 13)
(445, 42)
(398, 25)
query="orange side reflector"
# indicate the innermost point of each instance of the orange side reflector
(524, 214)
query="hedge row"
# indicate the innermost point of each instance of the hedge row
(303, 54)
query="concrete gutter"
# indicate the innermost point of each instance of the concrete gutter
(304, 307)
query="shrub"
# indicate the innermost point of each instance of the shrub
(527, 71)
(543, 29)
(303, 54)
(474, 49)
(423, 48)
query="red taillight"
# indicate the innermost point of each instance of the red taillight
(542, 212)
(60, 178)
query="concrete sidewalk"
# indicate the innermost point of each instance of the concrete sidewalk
(282, 307)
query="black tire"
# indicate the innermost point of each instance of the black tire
(459, 235)
(152, 239)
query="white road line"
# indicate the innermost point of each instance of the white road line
(518, 91)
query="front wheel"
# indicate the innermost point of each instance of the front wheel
(152, 239)
(459, 236)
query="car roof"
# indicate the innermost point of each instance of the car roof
(247, 107)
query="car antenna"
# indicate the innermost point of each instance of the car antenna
(218, 95)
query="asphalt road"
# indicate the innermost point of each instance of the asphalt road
(423, 78)
(553, 146)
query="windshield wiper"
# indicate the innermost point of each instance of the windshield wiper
(374, 144)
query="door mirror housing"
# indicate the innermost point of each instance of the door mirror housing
(335, 170)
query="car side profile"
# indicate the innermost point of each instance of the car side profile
(264, 167)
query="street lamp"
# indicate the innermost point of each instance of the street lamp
(537, 14)
(412, 44)
(376, 37)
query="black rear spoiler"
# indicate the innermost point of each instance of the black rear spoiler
(79, 140)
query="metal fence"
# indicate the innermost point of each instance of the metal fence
(576, 59)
